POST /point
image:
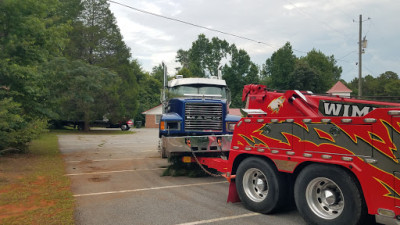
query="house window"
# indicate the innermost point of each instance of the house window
(158, 118)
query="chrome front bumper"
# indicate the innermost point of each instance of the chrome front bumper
(212, 143)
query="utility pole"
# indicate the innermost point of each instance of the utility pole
(362, 44)
(360, 58)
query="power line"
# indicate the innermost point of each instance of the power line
(347, 54)
(350, 70)
(372, 72)
(369, 26)
(341, 58)
(200, 26)
(326, 25)
(346, 61)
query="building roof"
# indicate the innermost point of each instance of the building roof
(154, 111)
(339, 87)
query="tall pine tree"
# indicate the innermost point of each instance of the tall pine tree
(96, 40)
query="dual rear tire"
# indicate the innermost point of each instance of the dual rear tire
(261, 187)
(327, 194)
(324, 194)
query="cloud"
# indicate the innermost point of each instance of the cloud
(297, 5)
(324, 25)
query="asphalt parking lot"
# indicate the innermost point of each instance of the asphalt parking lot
(117, 179)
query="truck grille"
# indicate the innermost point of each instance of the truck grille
(203, 117)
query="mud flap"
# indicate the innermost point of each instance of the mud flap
(233, 195)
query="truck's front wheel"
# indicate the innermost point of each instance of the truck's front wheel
(162, 149)
(260, 185)
(327, 194)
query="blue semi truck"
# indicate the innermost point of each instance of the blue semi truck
(195, 117)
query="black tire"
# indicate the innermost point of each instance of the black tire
(261, 187)
(329, 195)
(125, 127)
(163, 154)
(161, 148)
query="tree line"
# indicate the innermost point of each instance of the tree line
(62, 60)
(384, 87)
(315, 72)
(66, 60)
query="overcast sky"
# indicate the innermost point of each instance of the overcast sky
(326, 25)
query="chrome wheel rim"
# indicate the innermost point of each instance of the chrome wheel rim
(255, 185)
(325, 198)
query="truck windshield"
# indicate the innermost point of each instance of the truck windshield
(215, 91)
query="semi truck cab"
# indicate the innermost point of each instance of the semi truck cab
(196, 107)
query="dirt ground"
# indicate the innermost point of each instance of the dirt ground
(33, 188)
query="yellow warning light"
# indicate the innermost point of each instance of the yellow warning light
(186, 159)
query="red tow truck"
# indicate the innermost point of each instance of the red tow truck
(337, 157)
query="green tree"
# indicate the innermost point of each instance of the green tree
(31, 33)
(278, 68)
(314, 72)
(370, 86)
(393, 88)
(81, 91)
(150, 91)
(15, 130)
(385, 80)
(97, 40)
(69, 10)
(158, 73)
(304, 78)
(185, 72)
(386, 84)
(204, 57)
(182, 57)
(328, 73)
(240, 71)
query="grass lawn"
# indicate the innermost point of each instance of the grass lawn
(33, 188)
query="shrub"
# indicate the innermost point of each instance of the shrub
(17, 130)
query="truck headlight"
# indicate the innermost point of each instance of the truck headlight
(173, 125)
(230, 127)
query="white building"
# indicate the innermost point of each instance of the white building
(340, 89)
